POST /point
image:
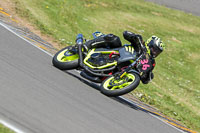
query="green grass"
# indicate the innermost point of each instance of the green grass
(5, 130)
(176, 88)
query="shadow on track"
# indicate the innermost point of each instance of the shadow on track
(97, 87)
(134, 104)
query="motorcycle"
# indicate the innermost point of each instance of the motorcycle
(118, 69)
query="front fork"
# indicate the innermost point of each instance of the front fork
(79, 42)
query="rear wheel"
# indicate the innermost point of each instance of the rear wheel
(65, 60)
(113, 87)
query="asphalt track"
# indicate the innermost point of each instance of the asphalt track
(189, 6)
(38, 98)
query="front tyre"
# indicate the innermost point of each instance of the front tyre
(113, 87)
(65, 60)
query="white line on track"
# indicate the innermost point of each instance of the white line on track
(153, 115)
(166, 122)
(11, 127)
(17, 130)
(25, 39)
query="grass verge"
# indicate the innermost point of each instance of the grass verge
(175, 91)
(4, 129)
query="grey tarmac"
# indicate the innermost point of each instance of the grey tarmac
(38, 98)
(188, 6)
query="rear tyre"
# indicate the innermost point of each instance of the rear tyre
(112, 87)
(66, 60)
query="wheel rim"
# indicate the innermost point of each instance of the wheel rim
(66, 56)
(119, 84)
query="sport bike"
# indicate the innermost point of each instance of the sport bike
(117, 69)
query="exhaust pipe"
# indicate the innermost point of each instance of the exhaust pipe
(91, 78)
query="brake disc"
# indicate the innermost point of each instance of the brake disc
(115, 82)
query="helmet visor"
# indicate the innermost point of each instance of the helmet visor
(155, 51)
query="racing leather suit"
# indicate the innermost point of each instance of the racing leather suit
(134, 40)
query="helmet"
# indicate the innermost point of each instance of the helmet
(155, 46)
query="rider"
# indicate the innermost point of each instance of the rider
(153, 46)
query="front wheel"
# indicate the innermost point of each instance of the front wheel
(113, 87)
(65, 59)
